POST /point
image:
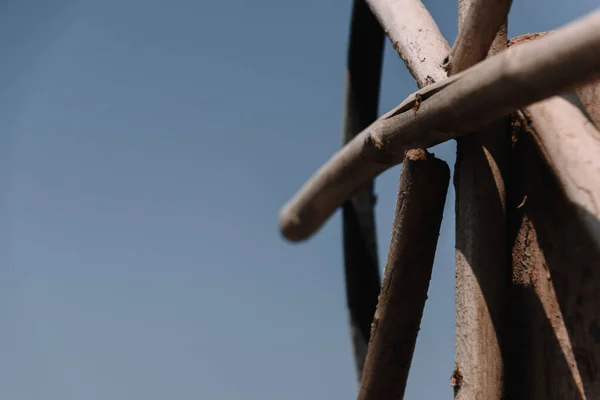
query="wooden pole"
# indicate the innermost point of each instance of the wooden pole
(481, 256)
(419, 208)
(361, 265)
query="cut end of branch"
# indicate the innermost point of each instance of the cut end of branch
(290, 225)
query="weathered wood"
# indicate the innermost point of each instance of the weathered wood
(361, 265)
(571, 146)
(555, 307)
(419, 208)
(416, 37)
(465, 102)
(481, 257)
(479, 23)
(590, 97)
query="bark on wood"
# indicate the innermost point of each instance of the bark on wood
(419, 208)
(481, 257)
(467, 101)
(361, 265)
(416, 37)
(555, 307)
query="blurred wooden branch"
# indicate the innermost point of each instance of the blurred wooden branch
(361, 265)
(491, 89)
(419, 209)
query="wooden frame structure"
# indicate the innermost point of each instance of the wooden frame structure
(526, 116)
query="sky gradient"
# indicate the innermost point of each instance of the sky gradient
(145, 150)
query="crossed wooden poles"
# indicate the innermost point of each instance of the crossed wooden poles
(498, 98)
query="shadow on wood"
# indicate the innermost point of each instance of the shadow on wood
(554, 302)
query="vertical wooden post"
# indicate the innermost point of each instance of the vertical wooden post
(481, 251)
(361, 266)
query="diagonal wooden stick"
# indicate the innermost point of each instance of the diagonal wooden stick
(415, 36)
(419, 209)
(491, 89)
(420, 204)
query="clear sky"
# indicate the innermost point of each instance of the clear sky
(146, 147)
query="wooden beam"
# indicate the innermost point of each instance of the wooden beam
(419, 208)
(361, 265)
(465, 102)
(482, 267)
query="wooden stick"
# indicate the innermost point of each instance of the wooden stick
(479, 22)
(482, 264)
(361, 265)
(419, 209)
(416, 37)
(419, 43)
(571, 145)
(491, 89)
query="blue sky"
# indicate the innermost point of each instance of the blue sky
(145, 150)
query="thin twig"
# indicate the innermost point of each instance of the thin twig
(361, 265)
(416, 37)
(419, 209)
(491, 89)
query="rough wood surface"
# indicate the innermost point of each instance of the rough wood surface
(416, 37)
(571, 146)
(481, 256)
(479, 23)
(590, 97)
(419, 208)
(554, 302)
(465, 102)
(361, 265)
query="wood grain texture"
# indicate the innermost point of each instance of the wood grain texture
(461, 104)
(481, 257)
(361, 265)
(415, 36)
(419, 208)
